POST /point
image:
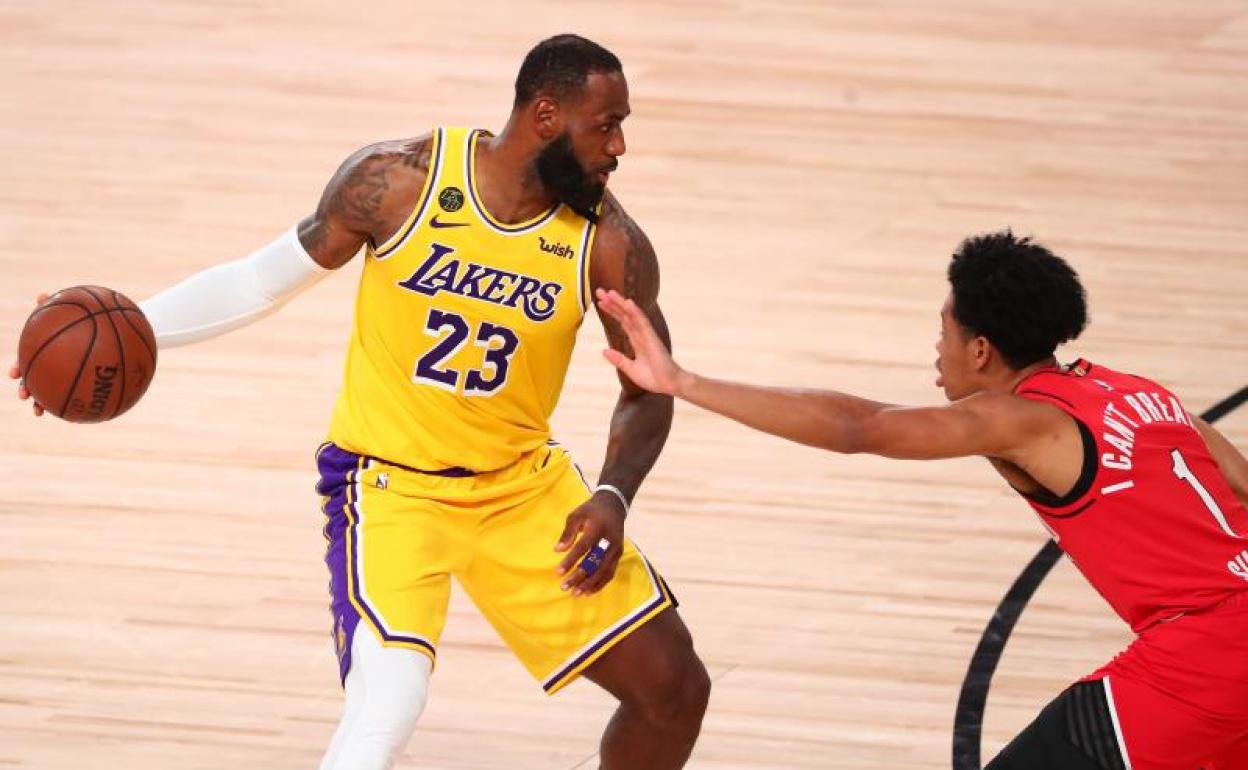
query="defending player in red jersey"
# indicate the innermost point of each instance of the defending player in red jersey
(1147, 500)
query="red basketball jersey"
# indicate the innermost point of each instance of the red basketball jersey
(1152, 523)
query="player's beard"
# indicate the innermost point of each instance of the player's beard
(563, 175)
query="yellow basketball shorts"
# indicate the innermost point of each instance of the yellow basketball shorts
(396, 535)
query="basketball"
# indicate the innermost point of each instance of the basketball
(87, 354)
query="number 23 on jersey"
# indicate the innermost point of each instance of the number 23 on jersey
(452, 332)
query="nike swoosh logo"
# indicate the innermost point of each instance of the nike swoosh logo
(439, 225)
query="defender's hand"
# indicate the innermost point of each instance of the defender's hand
(599, 518)
(652, 367)
(15, 372)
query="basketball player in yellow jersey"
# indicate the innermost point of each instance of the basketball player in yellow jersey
(481, 256)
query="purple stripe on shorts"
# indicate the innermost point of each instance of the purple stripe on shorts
(339, 469)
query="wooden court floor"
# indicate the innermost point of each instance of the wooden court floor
(804, 169)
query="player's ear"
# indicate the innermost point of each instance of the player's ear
(982, 352)
(547, 118)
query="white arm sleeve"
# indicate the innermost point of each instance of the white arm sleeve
(228, 296)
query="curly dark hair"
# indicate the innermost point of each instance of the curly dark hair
(560, 65)
(1022, 297)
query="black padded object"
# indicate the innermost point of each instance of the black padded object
(1074, 732)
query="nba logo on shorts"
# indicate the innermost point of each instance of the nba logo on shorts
(383, 480)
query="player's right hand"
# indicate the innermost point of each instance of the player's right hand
(15, 372)
(652, 367)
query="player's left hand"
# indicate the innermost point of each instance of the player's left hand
(601, 517)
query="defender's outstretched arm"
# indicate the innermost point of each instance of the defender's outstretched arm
(984, 424)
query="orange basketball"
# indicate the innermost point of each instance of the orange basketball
(87, 354)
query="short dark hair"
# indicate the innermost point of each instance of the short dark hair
(1022, 297)
(560, 65)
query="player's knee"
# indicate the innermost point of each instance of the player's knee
(391, 686)
(680, 688)
(695, 688)
(397, 687)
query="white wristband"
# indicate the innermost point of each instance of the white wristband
(615, 491)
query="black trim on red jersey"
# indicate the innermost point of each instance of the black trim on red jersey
(1086, 476)
(1070, 515)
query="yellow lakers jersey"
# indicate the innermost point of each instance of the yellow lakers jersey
(464, 326)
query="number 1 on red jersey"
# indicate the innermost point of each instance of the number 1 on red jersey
(1185, 474)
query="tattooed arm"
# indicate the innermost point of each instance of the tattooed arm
(367, 200)
(623, 260)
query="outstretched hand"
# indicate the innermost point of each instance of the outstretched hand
(652, 367)
(15, 373)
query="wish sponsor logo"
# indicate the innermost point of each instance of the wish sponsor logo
(443, 272)
(558, 249)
